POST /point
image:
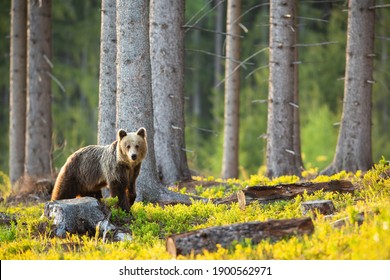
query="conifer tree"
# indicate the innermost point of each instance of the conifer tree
(17, 89)
(38, 161)
(354, 151)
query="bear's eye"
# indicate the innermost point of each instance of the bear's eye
(136, 146)
(128, 147)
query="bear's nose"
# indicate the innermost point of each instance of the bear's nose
(133, 156)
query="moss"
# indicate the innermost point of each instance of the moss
(364, 233)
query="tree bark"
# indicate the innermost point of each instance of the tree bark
(18, 63)
(83, 215)
(80, 215)
(134, 93)
(208, 238)
(280, 127)
(167, 62)
(39, 121)
(218, 42)
(354, 149)
(266, 194)
(296, 109)
(324, 207)
(107, 81)
(196, 86)
(232, 92)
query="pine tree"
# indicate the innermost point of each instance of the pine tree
(354, 151)
(167, 62)
(107, 79)
(134, 93)
(39, 122)
(18, 89)
(280, 128)
(232, 91)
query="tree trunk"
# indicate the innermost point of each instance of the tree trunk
(218, 42)
(39, 122)
(280, 127)
(134, 92)
(196, 77)
(353, 151)
(17, 89)
(107, 82)
(208, 238)
(296, 109)
(167, 62)
(267, 194)
(232, 92)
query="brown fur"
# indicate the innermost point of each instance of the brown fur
(91, 168)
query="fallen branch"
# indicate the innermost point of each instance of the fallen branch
(265, 194)
(208, 238)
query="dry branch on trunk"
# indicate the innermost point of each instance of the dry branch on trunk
(208, 238)
(264, 194)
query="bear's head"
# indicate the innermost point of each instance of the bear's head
(132, 146)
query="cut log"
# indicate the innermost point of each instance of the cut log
(266, 194)
(325, 207)
(82, 215)
(208, 238)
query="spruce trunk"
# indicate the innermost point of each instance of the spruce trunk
(17, 89)
(167, 62)
(107, 79)
(39, 120)
(280, 127)
(134, 93)
(354, 149)
(232, 91)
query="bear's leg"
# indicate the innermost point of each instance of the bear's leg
(97, 194)
(66, 186)
(117, 189)
(132, 193)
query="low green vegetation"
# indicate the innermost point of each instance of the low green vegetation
(30, 236)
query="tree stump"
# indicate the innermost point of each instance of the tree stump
(325, 207)
(208, 238)
(79, 215)
(82, 215)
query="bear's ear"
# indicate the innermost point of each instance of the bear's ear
(142, 132)
(121, 134)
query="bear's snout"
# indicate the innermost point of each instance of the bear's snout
(133, 156)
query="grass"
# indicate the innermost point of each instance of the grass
(30, 237)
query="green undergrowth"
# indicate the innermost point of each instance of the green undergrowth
(30, 236)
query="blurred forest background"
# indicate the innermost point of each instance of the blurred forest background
(322, 36)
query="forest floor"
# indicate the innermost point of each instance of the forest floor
(364, 232)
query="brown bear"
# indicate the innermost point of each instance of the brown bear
(91, 168)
